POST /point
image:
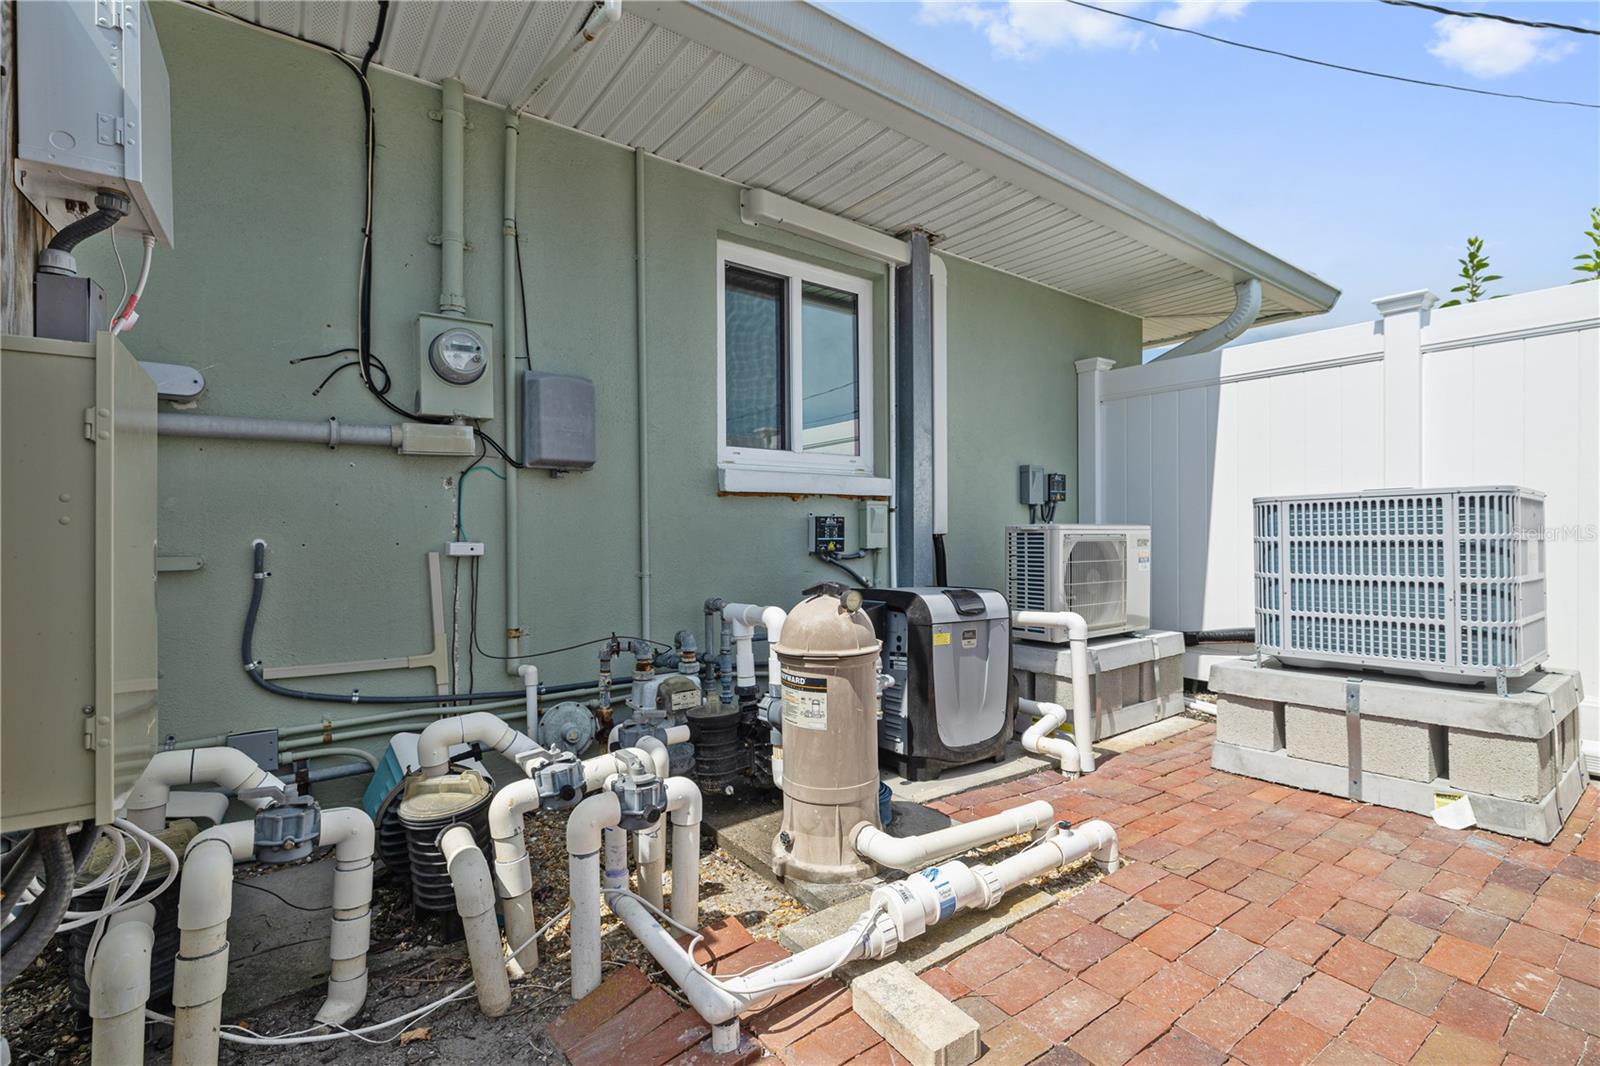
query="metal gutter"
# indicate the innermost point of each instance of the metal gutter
(818, 52)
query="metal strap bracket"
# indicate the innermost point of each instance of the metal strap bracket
(1352, 727)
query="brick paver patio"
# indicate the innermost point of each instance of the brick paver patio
(1253, 923)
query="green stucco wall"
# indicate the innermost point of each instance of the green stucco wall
(266, 162)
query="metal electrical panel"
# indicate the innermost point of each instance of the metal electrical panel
(557, 421)
(93, 111)
(77, 589)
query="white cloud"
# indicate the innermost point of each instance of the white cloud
(1025, 28)
(1488, 49)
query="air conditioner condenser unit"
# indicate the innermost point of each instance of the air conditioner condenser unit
(1100, 572)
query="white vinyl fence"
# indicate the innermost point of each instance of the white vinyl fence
(1502, 392)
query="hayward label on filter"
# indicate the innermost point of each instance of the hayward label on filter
(805, 701)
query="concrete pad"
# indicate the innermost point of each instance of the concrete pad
(920, 1024)
(1017, 763)
(1539, 820)
(1149, 734)
(1396, 749)
(1250, 723)
(938, 945)
(1534, 704)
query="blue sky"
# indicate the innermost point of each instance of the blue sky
(1372, 185)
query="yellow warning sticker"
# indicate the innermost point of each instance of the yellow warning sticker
(1442, 799)
(941, 639)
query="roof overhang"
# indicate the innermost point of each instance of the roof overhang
(788, 97)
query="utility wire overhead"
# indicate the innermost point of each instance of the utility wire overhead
(1493, 15)
(1329, 65)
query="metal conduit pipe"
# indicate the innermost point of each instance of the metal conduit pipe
(119, 987)
(330, 431)
(227, 768)
(907, 853)
(585, 829)
(330, 752)
(642, 385)
(896, 913)
(205, 903)
(469, 876)
(509, 293)
(452, 198)
(1082, 702)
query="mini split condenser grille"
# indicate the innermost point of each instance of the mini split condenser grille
(1100, 572)
(1445, 583)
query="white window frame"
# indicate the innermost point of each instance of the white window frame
(774, 470)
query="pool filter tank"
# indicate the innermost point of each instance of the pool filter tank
(828, 659)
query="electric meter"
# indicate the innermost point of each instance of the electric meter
(458, 356)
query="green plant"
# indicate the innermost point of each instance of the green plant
(1589, 262)
(1474, 274)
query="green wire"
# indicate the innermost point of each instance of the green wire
(461, 492)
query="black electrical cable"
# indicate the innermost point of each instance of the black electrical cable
(1327, 64)
(1494, 16)
(27, 935)
(833, 560)
(522, 293)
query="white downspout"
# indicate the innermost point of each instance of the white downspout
(480, 727)
(1247, 305)
(227, 768)
(1082, 701)
(469, 877)
(907, 853)
(119, 987)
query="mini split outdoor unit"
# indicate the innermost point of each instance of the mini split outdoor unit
(1100, 572)
(1447, 584)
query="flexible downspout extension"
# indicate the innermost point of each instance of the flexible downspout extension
(227, 768)
(896, 913)
(479, 727)
(1247, 305)
(509, 286)
(907, 853)
(1082, 700)
(119, 987)
(205, 903)
(469, 876)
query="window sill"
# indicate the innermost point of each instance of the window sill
(733, 480)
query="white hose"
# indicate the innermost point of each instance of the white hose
(126, 315)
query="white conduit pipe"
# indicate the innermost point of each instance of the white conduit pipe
(897, 912)
(119, 987)
(227, 768)
(907, 853)
(478, 727)
(744, 617)
(510, 292)
(530, 693)
(469, 877)
(452, 198)
(330, 431)
(1082, 700)
(205, 903)
(585, 829)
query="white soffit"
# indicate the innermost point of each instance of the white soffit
(786, 97)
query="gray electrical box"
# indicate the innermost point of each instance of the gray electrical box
(93, 111)
(1030, 484)
(557, 421)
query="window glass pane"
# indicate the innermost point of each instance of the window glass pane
(831, 402)
(754, 358)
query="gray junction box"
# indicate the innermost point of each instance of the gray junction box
(557, 421)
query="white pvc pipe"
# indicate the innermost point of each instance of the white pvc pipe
(227, 768)
(469, 877)
(600, 17)
(1039, 739)
(513, 874)
(205, 902)
(744, 618)
(119, 987)
(684, 810)
(907, 853)
(1082, 701)
(530, 693)
(477, 727)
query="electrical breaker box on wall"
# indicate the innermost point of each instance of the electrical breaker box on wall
(557, 421)
(93, 111)
(77, 588)
(455, 378)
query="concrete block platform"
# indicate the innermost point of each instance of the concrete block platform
(1417, 742)
(1137, 679)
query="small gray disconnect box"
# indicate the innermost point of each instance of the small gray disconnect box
(557, 421)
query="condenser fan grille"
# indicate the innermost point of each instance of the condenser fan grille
(1096, 583)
